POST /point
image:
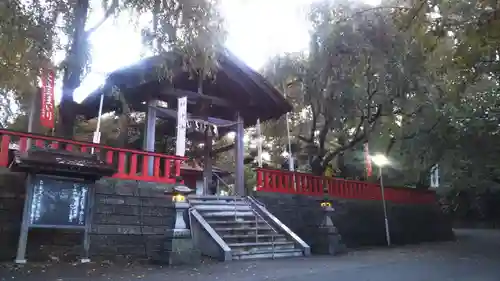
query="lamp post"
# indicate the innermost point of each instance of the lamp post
(381, 161)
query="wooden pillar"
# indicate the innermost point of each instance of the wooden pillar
(150, 128)
(207, 160)
(239, 145)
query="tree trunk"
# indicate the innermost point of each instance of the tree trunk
(317, 168)
(75, 62)
(124, 121)
(344, 173)
(341, 159)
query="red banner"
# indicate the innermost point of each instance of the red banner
(368, 161)
(47, 110)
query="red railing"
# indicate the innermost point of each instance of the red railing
(130, 164)
(300, 183)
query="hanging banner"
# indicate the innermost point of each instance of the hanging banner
(368, 161)
(47, 99)
(180, 148)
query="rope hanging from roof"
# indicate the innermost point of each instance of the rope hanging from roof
(201, 125)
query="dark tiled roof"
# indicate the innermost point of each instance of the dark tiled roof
(245, 89)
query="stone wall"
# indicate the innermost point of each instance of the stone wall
(128, 220)
(361, 223)
(11, 208)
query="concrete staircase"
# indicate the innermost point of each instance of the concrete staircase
(246, 230)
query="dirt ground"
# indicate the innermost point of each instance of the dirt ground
(474, 256)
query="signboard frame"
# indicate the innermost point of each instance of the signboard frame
(26, 224)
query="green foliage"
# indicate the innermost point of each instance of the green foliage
(362, 80)
(418, 80)
(29, 37)
(250, 179)
(27, 31)
(461, 41)
(416, 83)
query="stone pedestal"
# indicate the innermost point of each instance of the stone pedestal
(178, 249)
(328, 240)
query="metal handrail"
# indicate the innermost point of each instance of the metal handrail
(227, 185)
(257, 229)
(221, 180)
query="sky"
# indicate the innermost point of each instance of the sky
(257, 30)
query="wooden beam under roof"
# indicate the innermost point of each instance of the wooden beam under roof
(194, 96)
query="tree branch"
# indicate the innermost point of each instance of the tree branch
(322, 136)
(358, 13)
(428, 131)
(415, 14)
(304, 139)
(310, 138)
(223, 149)
(353, 142)
(360, 126)
(392, 142)
(109, 11)
(314, 120)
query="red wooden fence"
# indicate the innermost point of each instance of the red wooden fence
(300, 183)
(130, 164)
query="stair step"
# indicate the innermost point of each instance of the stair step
(238, 222)
(278, 253)
(216, 202)
(248, 235)
(259, 244)
(255, 247)
(221, 229)
(203, 207)
(276, 236)
(215, 197)
(228, 214)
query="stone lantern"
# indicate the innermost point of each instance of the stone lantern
(329, 240)
(178, 245)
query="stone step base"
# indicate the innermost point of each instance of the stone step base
(281, 253)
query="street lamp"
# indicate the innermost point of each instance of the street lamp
(380, 161)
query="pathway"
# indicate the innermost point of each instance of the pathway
(475, 256)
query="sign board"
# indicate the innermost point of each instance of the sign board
(434, 176)
(96, 137)
(48, 103)
(180, 148)
(57, 202)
